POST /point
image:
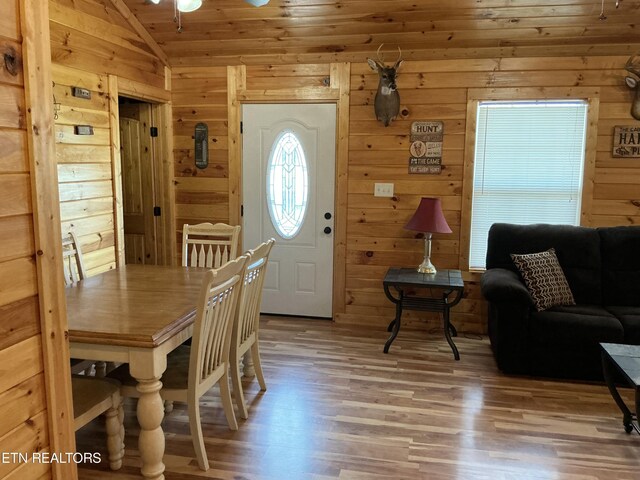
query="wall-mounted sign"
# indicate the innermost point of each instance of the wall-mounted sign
(426, 147)
(83, 129)
(81, 92)
(626, 142)
(202, 146)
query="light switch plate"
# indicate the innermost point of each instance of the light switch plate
(383, 190)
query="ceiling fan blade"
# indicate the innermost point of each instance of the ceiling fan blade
(257, 3)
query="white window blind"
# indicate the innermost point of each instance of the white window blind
(529, 161)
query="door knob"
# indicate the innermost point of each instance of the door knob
(327, 216)
(327, 230)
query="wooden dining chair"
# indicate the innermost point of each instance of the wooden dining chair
(208, 245)
(92, 397)
(244, 336)
(192, 370)
(74, 270)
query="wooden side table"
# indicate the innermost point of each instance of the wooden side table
(626, 360)
(405, 280)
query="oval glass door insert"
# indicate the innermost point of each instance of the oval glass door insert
(287, 184)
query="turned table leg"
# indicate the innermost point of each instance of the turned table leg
(248, 368)
(147, 369)
(151, 440)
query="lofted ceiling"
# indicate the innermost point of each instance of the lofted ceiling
(224, 32)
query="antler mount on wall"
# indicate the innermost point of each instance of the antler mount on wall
(633, 66)
(387, 101)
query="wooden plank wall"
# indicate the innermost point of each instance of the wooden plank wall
(229, 32)
(437, 90)
(23, 417)
(430, 90)
(91, 39)
(200, 95)
(92, 35)
(84, 166)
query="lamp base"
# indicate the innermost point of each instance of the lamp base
(426, 266)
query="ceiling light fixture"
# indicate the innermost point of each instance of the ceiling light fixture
(602, 15)
(186, 6)
(180, 7)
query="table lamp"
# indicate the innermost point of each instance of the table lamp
(428, 219)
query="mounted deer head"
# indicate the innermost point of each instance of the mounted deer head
(634, 84)
(387, 101)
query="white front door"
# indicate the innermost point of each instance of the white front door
(288, 171)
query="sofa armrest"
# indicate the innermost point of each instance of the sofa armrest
(501, 285)
(510, 307)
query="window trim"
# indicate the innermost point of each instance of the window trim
(477, 95)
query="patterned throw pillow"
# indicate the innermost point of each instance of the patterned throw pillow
(544, 278)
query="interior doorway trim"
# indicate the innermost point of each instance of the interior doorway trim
(161, 112)
(336, 92)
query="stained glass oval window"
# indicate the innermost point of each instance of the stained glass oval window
(287, 184)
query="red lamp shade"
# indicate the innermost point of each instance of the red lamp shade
(428, 217)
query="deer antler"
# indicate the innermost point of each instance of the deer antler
(380, 57)
(399, 54)
(631, 67)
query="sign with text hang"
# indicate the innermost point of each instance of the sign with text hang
(426, 147)
(626, 141)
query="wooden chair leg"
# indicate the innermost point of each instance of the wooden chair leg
(121, 421)
(237, 387)
(227, 403)
(196, 434)
(114, 429)
(255, 354)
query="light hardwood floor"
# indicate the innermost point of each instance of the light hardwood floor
(337, 407)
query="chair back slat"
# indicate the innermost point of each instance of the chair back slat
(248, 316)
(211, 245)
(217, 305)
(193, 257)
(73, 263)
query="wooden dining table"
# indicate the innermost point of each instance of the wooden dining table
(136, 314)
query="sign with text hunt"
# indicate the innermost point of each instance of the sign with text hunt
(426, 147)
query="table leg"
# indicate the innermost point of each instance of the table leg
(636, 424)
(447, 333)
(454, 332)
(248, 370)
(395, 325)
(391, 325)
(608, 378)
(151, 440)
(147, 369)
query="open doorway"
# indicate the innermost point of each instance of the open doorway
(139, 182)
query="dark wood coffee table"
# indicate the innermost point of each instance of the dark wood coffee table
(626, 360)
(406, 280)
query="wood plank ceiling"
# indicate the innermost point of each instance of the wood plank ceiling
(226, 32)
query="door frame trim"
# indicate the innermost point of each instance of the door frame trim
(338, 92)
(164, 194)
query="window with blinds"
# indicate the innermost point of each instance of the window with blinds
(529, 159)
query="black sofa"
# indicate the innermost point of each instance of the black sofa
(602, 266)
